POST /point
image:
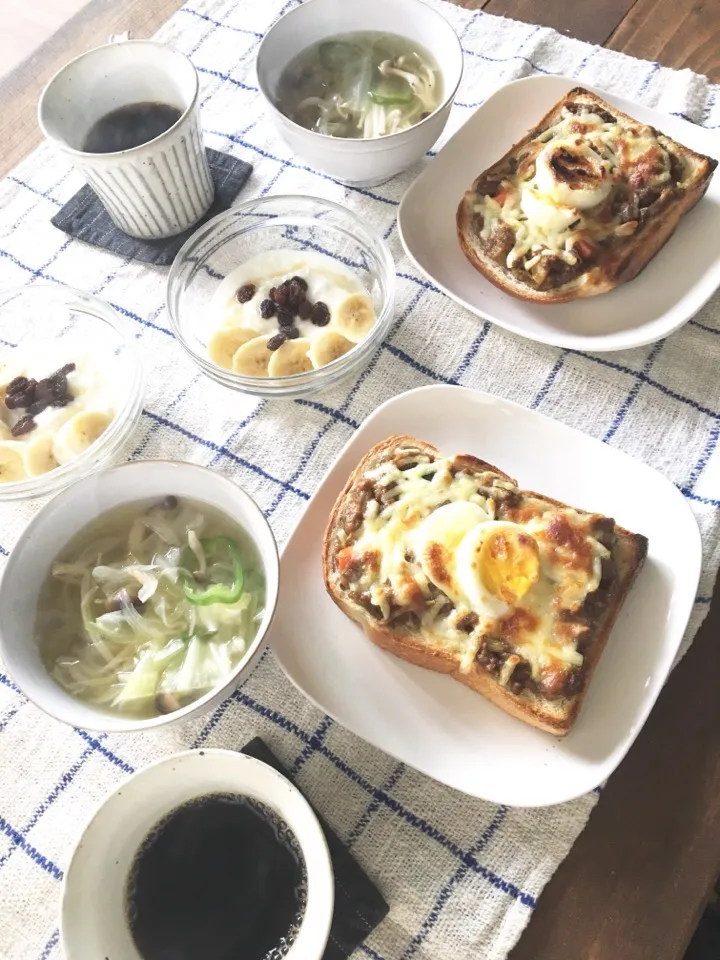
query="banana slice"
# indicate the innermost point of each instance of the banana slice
(355, 317)
(253, 357)
(12, 467)
(328, 347)
(224, 344)
(292, 357)
(79, 433)
(39, 457)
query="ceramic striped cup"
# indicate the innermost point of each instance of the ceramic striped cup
(154, 190)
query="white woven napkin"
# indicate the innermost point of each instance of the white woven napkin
(461, 875)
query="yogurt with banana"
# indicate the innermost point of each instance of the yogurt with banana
(51, 410)
(285, 312)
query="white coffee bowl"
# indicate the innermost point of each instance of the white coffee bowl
(93, 923)
(360, 162)
(55, 525)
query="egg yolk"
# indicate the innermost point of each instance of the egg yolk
(509, 564)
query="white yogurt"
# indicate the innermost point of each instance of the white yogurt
(328, 281)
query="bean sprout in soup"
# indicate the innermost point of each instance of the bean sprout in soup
(361, 85)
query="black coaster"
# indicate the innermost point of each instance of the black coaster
(85, 218)
(359, 907)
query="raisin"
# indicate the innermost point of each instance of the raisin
(274, 343)
(68, 368)
(291, 333)
(24, 425)
(15, 400)
(304, 309)
(267, 309)
(297, 293)
(18, 384)
(281, 296)
(245, 293)
(300, 282)
(285, 319)
(37, 407)
(320, 314)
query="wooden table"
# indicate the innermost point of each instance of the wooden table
(636, 882)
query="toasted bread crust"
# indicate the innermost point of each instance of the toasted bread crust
(635, 251)
(555, 716)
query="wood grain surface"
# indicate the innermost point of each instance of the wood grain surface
(638, 878)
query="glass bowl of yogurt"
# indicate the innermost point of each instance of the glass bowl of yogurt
(282, 296)
(71, 388)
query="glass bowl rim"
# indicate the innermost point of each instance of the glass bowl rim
(97, 454)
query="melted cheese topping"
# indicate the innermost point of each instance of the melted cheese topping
(436, 547)
(565, 176)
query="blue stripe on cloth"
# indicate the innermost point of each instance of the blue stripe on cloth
(549, 381)
(323, 408)
(472, 352)
(313, 744)
(447, 890)
(217, 448)
(238, 429)
(630, 398)
(100, 747)
(390, 784)
(704, 457)
(226, 78)
(7, 682)
(219, 23)
(11, 714)
(64, 782)
(407, 815)
(370, 952)
(50, 945)
(38, 193)
(47, 865)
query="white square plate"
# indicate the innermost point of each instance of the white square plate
(668, 292)
(434, 723)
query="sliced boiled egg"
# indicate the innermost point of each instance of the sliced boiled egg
(437, 538)
(546, 214)
(570, 173)
(499, 558)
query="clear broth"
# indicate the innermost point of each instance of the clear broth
(339, 86)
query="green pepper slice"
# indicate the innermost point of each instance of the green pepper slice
(223, 558)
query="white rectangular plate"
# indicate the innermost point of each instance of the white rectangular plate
(433, 722)
(668, 292)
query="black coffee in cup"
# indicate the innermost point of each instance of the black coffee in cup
(130, 126)
(219, 878)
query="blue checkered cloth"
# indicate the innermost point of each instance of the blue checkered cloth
(462, 876)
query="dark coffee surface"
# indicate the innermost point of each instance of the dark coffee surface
(215, 880)
(130, 126)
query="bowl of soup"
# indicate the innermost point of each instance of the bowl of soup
(360, 90)
(139, 596)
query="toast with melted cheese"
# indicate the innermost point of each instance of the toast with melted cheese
(445, 562)
(581, 204)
